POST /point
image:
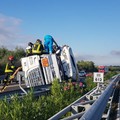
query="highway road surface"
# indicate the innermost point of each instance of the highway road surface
(12, 87)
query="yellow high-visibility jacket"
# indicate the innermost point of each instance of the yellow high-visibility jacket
(9, 68)
(29, 50)
(37, 48)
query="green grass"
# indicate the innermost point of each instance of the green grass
(42, 108)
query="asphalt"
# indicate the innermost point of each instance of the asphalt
(12, 87)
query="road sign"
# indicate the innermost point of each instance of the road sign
(98, 77)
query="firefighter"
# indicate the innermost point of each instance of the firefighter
(29, 49)
(48, 44)
(9, 70)
(38, 47)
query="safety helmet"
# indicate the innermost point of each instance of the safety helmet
(10, 58)
(30, 44)
(39, 41)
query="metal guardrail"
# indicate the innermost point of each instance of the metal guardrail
(118, 109)
(68, 108)
(21, 88)
(96, 110)
(94, 103)
(37, 91)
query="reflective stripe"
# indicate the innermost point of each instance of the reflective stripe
(37, 48)
(28, 51)
(7, 70)
(12, 67)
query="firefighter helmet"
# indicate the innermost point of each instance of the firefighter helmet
(30, 44)
(10, 58)
(39, 41)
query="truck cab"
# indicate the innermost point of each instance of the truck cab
(103, 69)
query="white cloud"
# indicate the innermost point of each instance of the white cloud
(10, 32)
(8, 28)
(99, 60)
(11, 36)
(115, 52)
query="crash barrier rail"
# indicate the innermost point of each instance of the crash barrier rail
(94, 105)
(98, 107)
(37, 89)
(118, 108)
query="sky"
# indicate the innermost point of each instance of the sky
(90, 27)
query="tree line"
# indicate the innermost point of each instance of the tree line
(19, 52)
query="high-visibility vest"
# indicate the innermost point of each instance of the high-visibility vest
(29, 50)
(9, 69)
(37, 48)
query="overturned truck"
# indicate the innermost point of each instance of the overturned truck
(43, 69)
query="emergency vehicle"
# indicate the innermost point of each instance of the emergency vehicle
(103, 69)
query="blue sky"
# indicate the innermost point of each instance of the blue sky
(90, 27)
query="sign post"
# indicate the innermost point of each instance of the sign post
(98, 78)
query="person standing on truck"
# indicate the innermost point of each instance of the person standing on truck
(48, 44)
(9, 69)
(29, 49)
(38, 47)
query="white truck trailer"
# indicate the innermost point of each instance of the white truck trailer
(42, 70)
